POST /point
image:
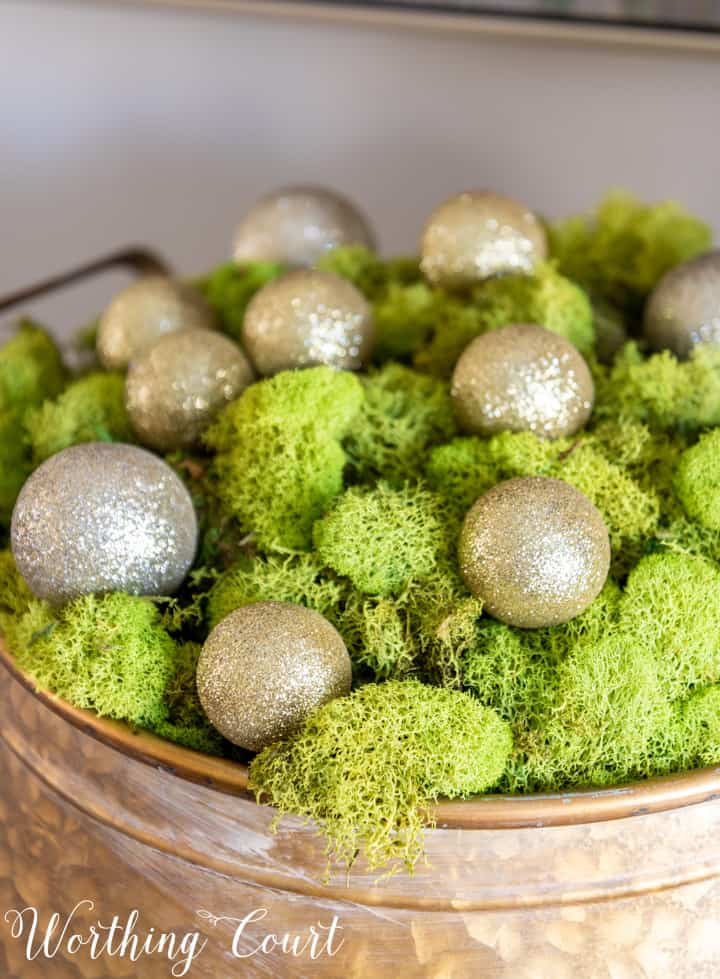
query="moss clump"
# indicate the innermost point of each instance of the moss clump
(397, 536)
(365, 766)
(229, 288)
(297, 578)
(621, 250)
(403, 414)
(109, 653)
(15, 462)
(31, 369)
(545, 298)
(91, 409)
(697, 480)
(186, 722)
(696, 729)
(279, 460)
(661, 391)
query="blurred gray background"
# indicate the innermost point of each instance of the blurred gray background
(123, 123)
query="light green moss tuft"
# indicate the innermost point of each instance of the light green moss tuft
(295, 578)
(15, 462)
(545, 298)
(229, 288)
(396, 535)
(403, 414)
(697, 480)
(621, 250)
(365, 766)
(279, 461)
(108, 653)
(31, 369)
(91, 409)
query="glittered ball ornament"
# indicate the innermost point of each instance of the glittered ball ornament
(307, 318)
(522, 378)
(478, 234)
(683, 309)
(265, 667)
(297, 225)
(144, 311)
(535, 551)
(103, 517)
(176, 387)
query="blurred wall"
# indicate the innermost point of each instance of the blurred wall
(126, 123)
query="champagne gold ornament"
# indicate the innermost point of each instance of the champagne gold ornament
(176, 387)
(103, 517)
(306, 318)
(265, 667)
(684, 307)
(535, 550)
(522, 378)
(144, 311)
(296, 225)
(477, 235)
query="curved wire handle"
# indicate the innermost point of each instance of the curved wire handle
(138, 259)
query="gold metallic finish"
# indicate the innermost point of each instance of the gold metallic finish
(176, 387)
(536, 551)
(307, 318)
(522, 378)
(296, 225)
(144, 311)
(103, 517)
(477, 235)
(684, 307)
(265, 667)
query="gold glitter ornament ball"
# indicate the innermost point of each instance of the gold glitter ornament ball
(522, 378)
(535, 550)
(297, 225)
(477, 235)
(306, 318)
(683, 309)
(103, 517)
(265, 667)
(144, 311)
(176, 387)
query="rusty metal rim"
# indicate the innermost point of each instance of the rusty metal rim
(480, 812)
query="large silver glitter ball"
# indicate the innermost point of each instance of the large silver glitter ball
(265, 667)
(144, 311)
(535, 551)
(306, 318)
(683, 309)
(477, 235)
(179, 384)
(296, 225)
(522, 378)
(103, 517)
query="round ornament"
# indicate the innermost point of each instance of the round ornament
(144, 311)
(306, 318)
(522, 378)
(683, 309)
(478, 234)
(265, 667)
(103, 517)
(176, 387)
(297, 225)
(535, 550)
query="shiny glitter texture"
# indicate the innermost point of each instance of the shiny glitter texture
(144, 311)
(307, 318)
(684, 308)
(522, 378)
(103, 517)
(535, 550)
(478, 234)
(265, 667)
(176, 387)
(296, 225)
